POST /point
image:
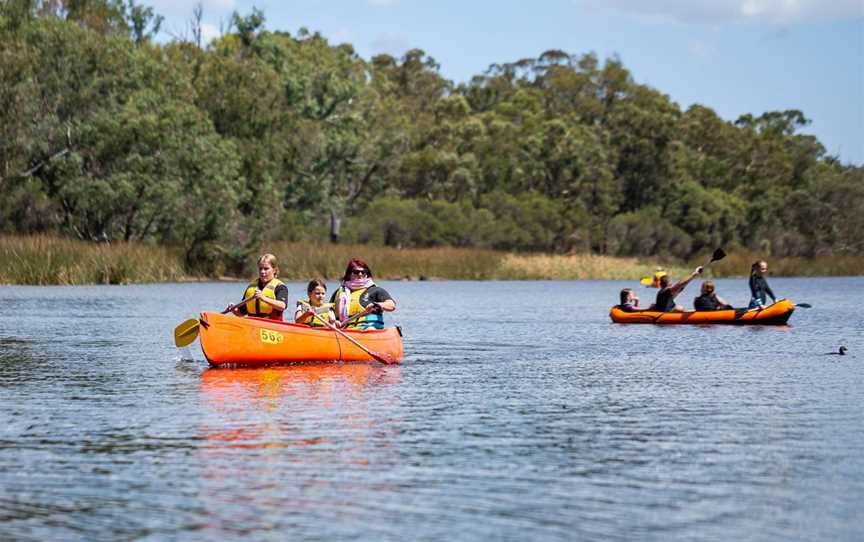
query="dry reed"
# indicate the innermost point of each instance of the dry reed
(51, 260)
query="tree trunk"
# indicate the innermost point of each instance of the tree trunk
(335, 226)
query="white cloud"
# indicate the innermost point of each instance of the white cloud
(720, 11)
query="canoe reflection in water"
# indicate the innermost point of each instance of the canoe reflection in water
(305, 437)
(288, 398)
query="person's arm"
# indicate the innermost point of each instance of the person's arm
(281, 301)
(383, 301)
(753, 293)
(238, 309)
(388, 305)
(769, 292)
(721, 303)
(681, 284)
(300, 314)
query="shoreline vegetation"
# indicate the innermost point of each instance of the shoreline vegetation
(205, 152)
(47, 260)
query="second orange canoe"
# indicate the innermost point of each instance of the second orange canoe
(776, 314)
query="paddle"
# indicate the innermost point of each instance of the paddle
(379, 356)
(358, 315)
(187, 331)
(647, 281)
(804, 305)
(717, 256)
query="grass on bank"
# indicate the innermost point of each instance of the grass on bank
(45, 260)
(42, 260)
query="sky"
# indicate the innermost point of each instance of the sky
(734, 56)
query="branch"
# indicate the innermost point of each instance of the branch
(42, 164)
(356, 193)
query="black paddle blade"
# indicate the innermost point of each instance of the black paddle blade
(718, 255)
(804, 305)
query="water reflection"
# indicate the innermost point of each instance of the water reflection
(300, 437)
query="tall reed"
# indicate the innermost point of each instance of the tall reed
(738, 262)
(43, 260)
(52, 260)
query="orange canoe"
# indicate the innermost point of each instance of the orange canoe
(233, 340)
(776, 314)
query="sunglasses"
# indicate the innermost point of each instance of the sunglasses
(359, 272)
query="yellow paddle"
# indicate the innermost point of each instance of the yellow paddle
(646, 280)
(384, 358)
(186, 333)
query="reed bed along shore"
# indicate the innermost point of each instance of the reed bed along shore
(43, 260)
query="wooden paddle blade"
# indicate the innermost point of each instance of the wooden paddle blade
(718, 255)
(186, 332)
(386, 359)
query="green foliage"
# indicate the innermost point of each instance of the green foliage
(264, 136)
(647, 233)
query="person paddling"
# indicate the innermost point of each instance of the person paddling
(266, 297)
(665, 301)
(659, 274)
(359, 302)
(709, 300)
(314, 304)
(759, 289)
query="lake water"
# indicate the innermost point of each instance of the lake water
(519, 413)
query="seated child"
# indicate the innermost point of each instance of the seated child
(314, 304)
(629, 301)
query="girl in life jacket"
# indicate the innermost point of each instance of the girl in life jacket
(359, 302)
(314, 304)
(266, 297)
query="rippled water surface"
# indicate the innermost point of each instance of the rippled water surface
(520, 413)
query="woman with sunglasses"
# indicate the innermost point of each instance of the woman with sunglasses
(359, 302)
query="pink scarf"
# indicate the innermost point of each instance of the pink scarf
(343, 298)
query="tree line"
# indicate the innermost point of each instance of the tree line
(261, 135)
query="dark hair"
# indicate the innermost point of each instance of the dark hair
(624, 294)
(314, 283)
(755, 267)
(356, 263)
(708, 287)
(664, 281)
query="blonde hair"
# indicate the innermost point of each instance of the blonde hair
(271, 261)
